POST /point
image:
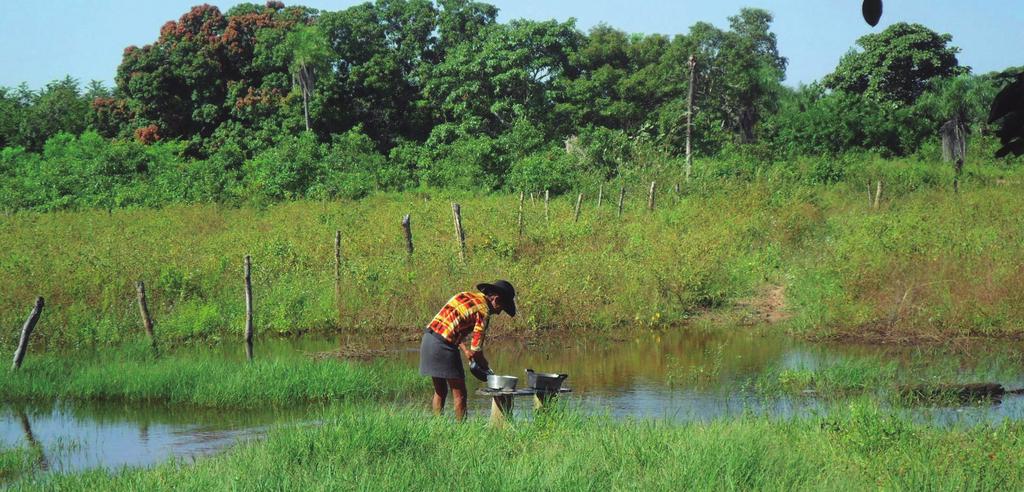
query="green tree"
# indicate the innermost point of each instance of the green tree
(309, 56)
(896, 64)
(59, 107)
(383, 52)
(506, 73)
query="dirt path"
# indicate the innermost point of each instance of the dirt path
(768, 306)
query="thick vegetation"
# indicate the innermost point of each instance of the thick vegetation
(927, 264)
(858, 447)
(267, 103)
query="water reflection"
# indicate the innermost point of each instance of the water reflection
(80, 436)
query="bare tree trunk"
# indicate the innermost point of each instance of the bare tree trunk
(689, 118)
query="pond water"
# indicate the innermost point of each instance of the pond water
(706, 374)
(680, 375)
(80, 436)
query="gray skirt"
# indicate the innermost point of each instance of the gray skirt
(438, 359)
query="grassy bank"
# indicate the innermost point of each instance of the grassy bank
(654, 268)
(206, 380)
(18, 461)
(858, 447)
(926, 265)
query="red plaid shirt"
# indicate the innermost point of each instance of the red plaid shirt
(464, 313)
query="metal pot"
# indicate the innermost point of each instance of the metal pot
(480, 372)
(547, 381)
(497, 382)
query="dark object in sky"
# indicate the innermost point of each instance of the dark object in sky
(1009, 106)
(872, 10)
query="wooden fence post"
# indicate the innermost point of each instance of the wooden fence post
(522, 198)
(878, 194)
(579, 201)
(26, 332)
(337, 273)
(547, 197)
(869, 193)
(248, 307)
(622, 197)
(600, 194)
(650, 197)
(460, 233)
(689, 117)
(407, 228)
(147, 321)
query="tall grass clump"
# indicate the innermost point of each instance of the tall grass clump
(860, 446)
(18, 461)
(205, 380)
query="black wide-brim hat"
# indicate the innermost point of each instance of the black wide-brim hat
(503, 289)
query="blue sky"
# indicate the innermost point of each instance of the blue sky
(47, 39)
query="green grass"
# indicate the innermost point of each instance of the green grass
(836, 378)
(597, 273)
(858, 447)
(18, 461)
(205, 380)
(927, 266)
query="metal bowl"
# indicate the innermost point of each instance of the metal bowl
(547, 381)
(498, 382)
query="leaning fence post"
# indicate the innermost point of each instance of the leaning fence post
(878, 193)
(579, 201)
(522, 198)
(600, 194)
(337, 273)
(547, 196)
(460, 233)
(147, 321)
(407, 228)
(248, 307)
(26, 332)
(650, 197)
(622, 197)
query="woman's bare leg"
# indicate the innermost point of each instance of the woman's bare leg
(440, 393)
(459, 392)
